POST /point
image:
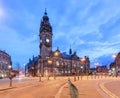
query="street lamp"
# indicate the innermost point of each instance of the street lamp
(33, 71)
(25, 69)
(96, 64)
(40, 68)
(81, 71)
(50, 63)
(75, 72)
(115, 65)
(56, 54)
(114, 56)
(10, 75)
(83, 60)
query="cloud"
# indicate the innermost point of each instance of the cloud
(96, 50)
(90, 27)
(18, 46)
(2, 12)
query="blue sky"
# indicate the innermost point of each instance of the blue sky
(91, 27)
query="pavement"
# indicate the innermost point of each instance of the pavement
(95, 87)
(44, 89)
(88, 87)
(16, 82)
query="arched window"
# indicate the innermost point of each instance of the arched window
(57, 63)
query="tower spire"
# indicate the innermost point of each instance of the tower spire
(45, 14)
(70, 50)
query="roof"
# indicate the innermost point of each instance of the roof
(65, 55)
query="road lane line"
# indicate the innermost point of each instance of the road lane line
(60, 91)
(112, 95)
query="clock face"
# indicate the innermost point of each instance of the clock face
(47, 40)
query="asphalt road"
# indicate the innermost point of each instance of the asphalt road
(59, 88)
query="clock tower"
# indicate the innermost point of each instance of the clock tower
(45, 34)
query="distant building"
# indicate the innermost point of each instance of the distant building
(32, 67)
(102, 69)
(115, 66)
(55, 62)
(116, 63)
(5, 61)
(117, 60)
(112, 65)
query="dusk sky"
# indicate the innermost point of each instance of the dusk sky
(90, 27)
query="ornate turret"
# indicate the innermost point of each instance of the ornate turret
(45, 24)
(70, 51)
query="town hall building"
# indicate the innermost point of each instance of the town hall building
(49, 62)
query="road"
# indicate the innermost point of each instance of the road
(58, 88)
(107, 87)
(35, 89)
(4, 83)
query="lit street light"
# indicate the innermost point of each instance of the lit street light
(50, 63)
(81, 71)
(10, 75)
(56, 54)
(25, 69)
(114, 56)
(115, 68)
(83, 60)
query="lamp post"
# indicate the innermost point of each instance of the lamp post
(25, 69)
(10, 75)
(75, 72)
(56, 54)
(40, 68)
(32, 71)
(81, 71)
(83, 60)
(96, 64)
(115, 66)
(50, 63)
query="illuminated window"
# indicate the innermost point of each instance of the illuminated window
(75, 65)
(62, 63)
(57, 63)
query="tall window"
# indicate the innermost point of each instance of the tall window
(57, 63)
(75, 65)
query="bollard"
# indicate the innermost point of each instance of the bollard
(98, 76)
(101, 76)
(87, 77)
(74, 78)
(78, 77)
(95, 77)
(81, 77)
(54, 77)
(47, 77)
(91, 76)
(39, 78)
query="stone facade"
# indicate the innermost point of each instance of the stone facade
(5, 61)
(116, 63)
(117, 60)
